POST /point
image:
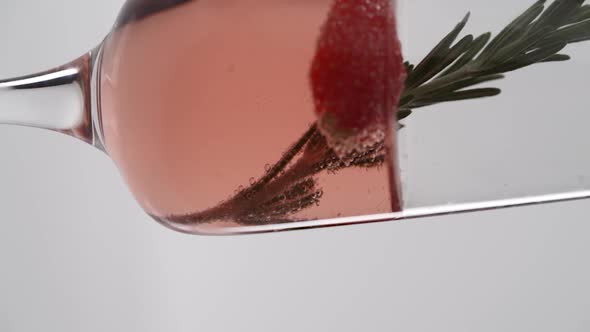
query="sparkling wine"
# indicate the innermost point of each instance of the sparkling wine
(206, 108)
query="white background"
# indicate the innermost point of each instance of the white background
(77, 253)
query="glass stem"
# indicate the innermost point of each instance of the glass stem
(58, 99)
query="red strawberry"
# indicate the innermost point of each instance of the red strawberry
(357, 73)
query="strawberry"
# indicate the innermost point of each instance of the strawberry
(357, 73)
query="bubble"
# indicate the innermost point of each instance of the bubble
(252, 180)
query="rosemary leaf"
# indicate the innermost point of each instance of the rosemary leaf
(557, 58)
(463, 95)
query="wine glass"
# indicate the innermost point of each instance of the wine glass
(214, 111)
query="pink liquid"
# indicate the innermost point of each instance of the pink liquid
(199, 101)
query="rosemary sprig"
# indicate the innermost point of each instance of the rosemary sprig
(449, 71)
